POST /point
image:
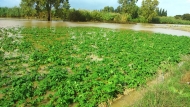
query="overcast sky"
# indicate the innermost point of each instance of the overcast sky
(174, 7)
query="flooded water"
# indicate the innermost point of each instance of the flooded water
(156, 28)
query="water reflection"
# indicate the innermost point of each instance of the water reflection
(156, 28)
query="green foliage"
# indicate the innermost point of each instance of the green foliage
(169, 20)
(126, 12)
(183, 17)
(178, 16)
(140, 19)
(122, 18)
(63, 10)
(186, 17)
(96, 15)
(85, 66)
(108, 17)
(1, 57)
(161, 12)
(118, 9)
(129, 7)
(174, 91)
(79, 15)
(100, 16)
(148, 9)
(108, 9)
(11, 12)
(28, 8)
(41, 5)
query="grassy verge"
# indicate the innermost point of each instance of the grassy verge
(174, 92)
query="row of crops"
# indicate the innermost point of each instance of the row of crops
(79, 65)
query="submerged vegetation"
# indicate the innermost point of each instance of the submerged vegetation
(79, 65)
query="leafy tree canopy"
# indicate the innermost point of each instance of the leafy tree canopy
(148, 9)
(40, 5)
(129, 7)
(108, 9)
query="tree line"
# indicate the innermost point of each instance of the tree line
(184, 16)
(11, 12)
(126, 12)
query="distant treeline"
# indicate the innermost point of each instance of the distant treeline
(11, 12)
(108, 14)
(184, 16)
(126, 12)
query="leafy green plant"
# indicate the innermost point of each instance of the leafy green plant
(86, 66)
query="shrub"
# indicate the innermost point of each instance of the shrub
(108, 17)
(169, 20)
(122, 18)
(96, 15)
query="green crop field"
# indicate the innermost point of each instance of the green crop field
(79, 65)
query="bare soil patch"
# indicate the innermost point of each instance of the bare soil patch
(186, 78)
(94, 58)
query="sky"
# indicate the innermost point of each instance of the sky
(173, 7)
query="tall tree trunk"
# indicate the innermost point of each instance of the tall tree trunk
(49, 11)
(49, 14)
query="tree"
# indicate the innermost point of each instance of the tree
(178, 16)
(4, 11)
(16, 12)
(27, 7)
(161, 12)
(186, 16)
(148, 9)
(108, 9)
(118, 9)
(62, 10)
(40, 5)
(158, 11)
(129, 7)
(10, 12)
(164, 13)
